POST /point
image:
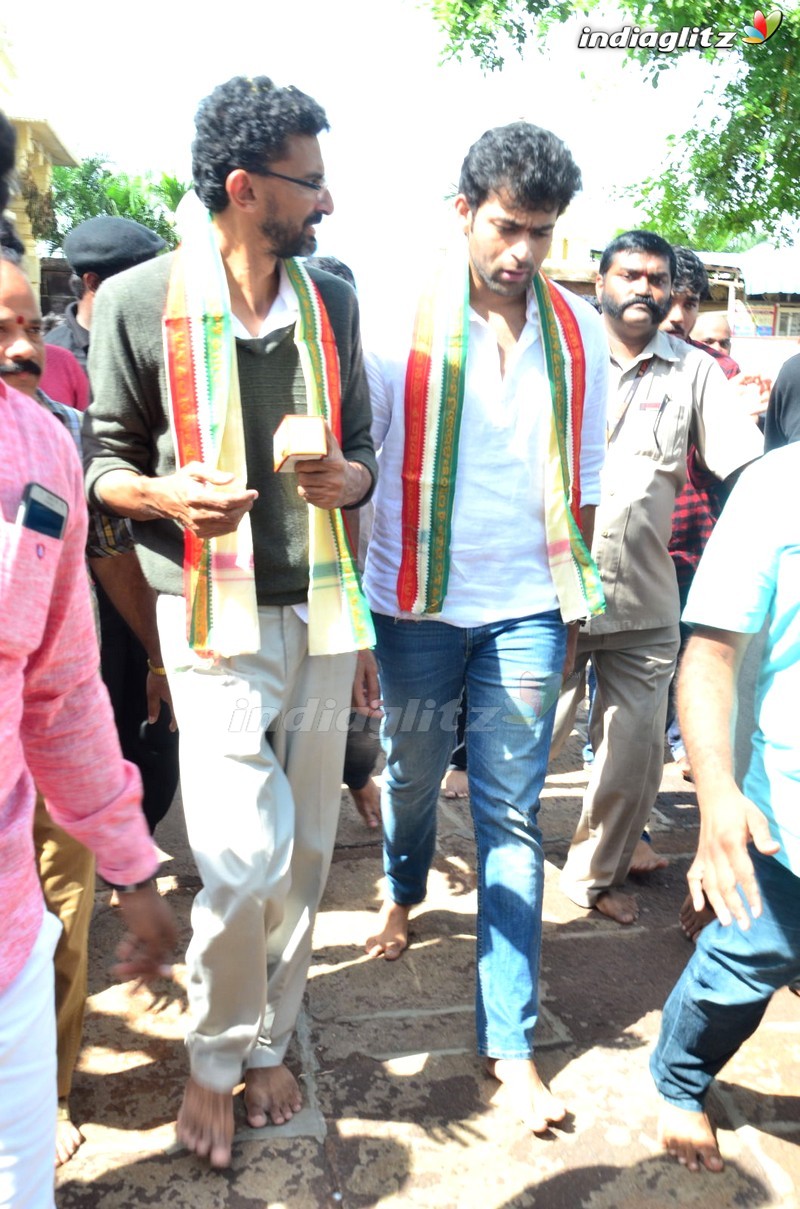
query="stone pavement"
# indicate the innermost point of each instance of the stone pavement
(398, 1112)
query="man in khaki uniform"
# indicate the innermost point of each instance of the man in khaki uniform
(662, 394)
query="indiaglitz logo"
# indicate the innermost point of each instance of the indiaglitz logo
(763, 27)
(689, 37)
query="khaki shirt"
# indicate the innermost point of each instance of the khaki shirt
(670, 396)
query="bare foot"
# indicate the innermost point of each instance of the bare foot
(392, 935)
(692, 922)
(689, 1138)
(646, 860)
(205, 1123)
(534, 1103)
(271, 1095)
(455, 784)
(69, 1138)
(368, 803)
(622, 908)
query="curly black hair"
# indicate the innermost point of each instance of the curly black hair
(529, 164)
(245, 123)
(638, 241)
(690, 273)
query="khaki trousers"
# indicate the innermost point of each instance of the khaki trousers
(626, 729)
(66, 871)
(262, 740)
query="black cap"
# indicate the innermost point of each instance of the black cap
(108, 244)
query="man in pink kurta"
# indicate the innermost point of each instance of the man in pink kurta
(56, 728)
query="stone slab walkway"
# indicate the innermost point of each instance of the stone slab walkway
(398, 1112)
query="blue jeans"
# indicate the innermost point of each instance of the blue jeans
(511, 671)
(720, 998)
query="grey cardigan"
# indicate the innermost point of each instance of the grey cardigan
(127, 425)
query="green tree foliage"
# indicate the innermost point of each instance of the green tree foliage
(94, 188)
(737, 170)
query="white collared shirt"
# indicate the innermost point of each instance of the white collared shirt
(498, 553)
(283, 311)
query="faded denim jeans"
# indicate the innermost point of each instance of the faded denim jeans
(511, 671)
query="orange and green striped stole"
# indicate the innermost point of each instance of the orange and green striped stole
(434, 397)
(338, 615)
(206, 414)
(575, 576)
(434, 394)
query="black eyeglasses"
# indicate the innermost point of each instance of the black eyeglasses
(318, 187)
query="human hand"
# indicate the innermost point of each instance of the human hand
(753, 392)
(207, 502)
(157, 690)
(366, 689)
(332, 481)
(722, 867)
(145, 950)
(573, 630)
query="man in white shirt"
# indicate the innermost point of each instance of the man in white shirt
(491, 433)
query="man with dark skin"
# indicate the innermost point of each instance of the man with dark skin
(663, 393)
(48, 679)
(66, 867)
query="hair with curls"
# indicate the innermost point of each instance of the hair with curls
(690, 274)
(531, 165)
(245, 124)
(638, 241)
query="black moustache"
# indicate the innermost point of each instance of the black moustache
(644, 300)
(9, 368)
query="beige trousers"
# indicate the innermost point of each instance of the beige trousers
(66, 871)
(262, 740)
(633, 670)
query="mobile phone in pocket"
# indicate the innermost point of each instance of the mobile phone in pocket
(43, 511)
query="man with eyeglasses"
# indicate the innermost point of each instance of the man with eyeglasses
(664, 394)
(195, 361)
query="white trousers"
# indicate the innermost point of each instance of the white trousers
(28, 1078)
(262, 740)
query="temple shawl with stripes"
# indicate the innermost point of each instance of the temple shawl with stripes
(206, 414)
(434, 395)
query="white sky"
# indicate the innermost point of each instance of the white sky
(125, 81)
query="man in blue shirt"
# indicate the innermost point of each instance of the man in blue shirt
(748, 861)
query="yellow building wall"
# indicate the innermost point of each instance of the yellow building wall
(38, 148)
